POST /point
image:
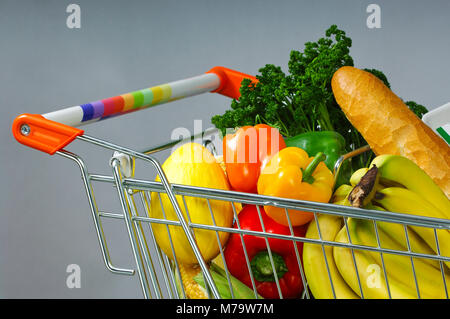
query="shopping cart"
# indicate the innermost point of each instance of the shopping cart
(53, 132)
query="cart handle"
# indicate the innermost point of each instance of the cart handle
(52, 131)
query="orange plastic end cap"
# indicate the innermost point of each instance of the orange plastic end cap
(36, 131)
(230, 81)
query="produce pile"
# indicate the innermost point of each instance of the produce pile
(289, 131)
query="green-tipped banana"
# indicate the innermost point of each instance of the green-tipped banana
(419, 276)
(401, 170)
(367, 279)
(320, 270)
(401, 200)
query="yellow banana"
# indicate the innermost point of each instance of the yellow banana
(407, 270)
(365, 190)
(406, 201)
(404, 188)
(367, 279)
(356, 176)
(401, 200)
(341, 193)
(398, 234)
(320, 270)
(365, 183)
(401, 170)
(343, 202)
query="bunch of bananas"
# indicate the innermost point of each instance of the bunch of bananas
(396, 184)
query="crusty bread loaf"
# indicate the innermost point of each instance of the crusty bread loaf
(388, 125)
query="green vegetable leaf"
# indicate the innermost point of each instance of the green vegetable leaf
(379, 75)
(418, 109)
(240, 290)
(300, 100)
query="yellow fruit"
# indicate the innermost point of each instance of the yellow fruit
(192, 164)
(219, 158)
(357, 175)
(324, 279)
(403, 171)
(402, 200)
(341, 193)
(363, 274)
(403, 268)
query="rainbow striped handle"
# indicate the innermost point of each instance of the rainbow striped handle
(134, 101)
(52, 131)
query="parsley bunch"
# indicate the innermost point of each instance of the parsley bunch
(302, 100)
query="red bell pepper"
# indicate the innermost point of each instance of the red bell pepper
(283, 253)
(246, 152)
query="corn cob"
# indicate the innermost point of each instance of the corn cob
(191, 288)
(193, 283)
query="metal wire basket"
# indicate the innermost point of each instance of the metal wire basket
(157, 272)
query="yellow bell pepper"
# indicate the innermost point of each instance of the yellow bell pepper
(291, 173)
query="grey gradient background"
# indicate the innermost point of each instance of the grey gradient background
(45, 223)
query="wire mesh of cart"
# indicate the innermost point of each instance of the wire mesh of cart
(158, 273)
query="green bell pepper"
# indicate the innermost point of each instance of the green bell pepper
(331, 143)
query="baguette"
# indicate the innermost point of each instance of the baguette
(388, 125)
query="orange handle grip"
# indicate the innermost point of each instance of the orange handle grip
(230, 81)
(35, 131)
